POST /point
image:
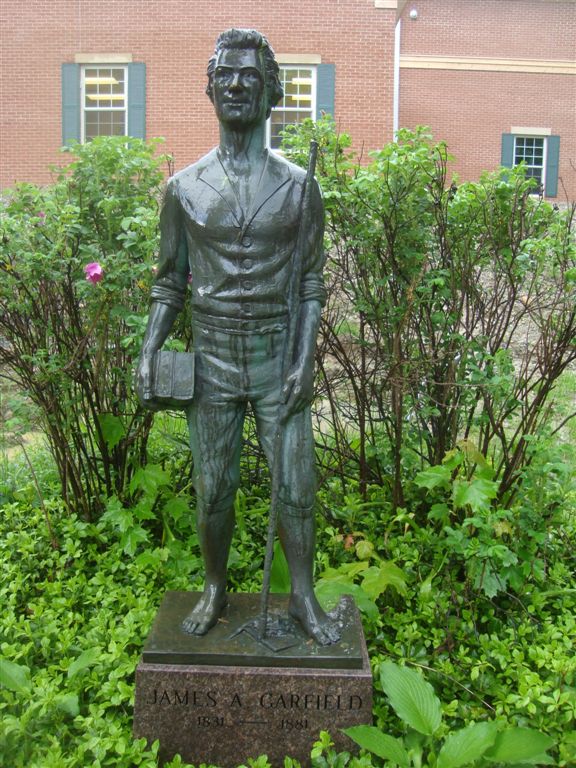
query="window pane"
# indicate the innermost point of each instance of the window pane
(104, 123)
(297, 104)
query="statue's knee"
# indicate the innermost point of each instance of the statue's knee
(288, 510)
(298, 496)
(215, 503)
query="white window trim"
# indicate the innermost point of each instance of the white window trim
(299, 64)
(102, 65)
(104, 59)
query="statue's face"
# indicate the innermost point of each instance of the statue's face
(239, 90)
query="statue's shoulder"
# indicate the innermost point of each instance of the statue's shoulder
(186, 178)
(286, 168)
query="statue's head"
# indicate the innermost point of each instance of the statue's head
(249, 39)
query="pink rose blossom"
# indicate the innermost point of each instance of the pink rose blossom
(94, 272)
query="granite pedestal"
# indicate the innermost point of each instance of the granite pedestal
(228, 696)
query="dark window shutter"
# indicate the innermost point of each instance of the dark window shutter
(552, 160)
(70, 103)
(325, 89)
(137, 101)
(507, 156)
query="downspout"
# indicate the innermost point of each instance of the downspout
(396, 96)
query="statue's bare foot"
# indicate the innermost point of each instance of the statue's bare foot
(316, 623)
(206, 611)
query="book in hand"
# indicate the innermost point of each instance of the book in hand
(172, 384)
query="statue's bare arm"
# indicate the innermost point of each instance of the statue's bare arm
(168, 292)
(299, 387)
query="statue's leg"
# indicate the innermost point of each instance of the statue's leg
(215, 530)
(215, 440)
(296, 523)
(296, 527)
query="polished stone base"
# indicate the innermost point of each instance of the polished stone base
(223, 709)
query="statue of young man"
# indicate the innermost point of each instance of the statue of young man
(231, 222)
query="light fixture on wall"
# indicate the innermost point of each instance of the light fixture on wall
(413, 14)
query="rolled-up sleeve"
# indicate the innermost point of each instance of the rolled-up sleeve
(312, 286)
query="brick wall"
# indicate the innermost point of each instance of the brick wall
(175, 39)
(472, 109)
(469, 109)
(527, 29)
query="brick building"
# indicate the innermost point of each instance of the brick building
(495, 78)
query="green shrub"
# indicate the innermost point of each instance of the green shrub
(76, 263)
(451, 313)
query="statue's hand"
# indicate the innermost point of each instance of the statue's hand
(299, 389)
(143, 382)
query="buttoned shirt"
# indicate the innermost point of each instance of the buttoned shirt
(240, 261)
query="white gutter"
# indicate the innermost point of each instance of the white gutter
(396, 96)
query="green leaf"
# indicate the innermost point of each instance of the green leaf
(364, 549)
(134, 536)
(433, 477)
(329, 592)
(520, 745)
(14, 676)
(371, 738)
(473, 454)
(149, 478)
(176, 506)
(113, 429)
(412, 698)
(279, 575)
(378, 577)
(87, 658)
(466, 745)
(453, 459)
(475, 494)
(440, 512)
(69, 703)
(425, 590)
(117, 515)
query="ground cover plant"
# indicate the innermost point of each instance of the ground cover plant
(445, 445)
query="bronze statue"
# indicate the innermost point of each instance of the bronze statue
(232, 222)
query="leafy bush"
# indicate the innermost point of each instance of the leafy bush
(76, 266)
(481, 744)
(451, 313)
(74, 619)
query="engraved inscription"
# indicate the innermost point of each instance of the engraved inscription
(183, 698)
(288, 724)
(267, 701)
(210, 722)
(310, 701)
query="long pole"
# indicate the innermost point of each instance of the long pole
(293, 307)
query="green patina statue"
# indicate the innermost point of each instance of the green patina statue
(235, 222)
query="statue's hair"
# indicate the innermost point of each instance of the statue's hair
(249, 38)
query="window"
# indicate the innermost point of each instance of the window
(103, 98)
(308, 92)
(538, 153)
(104, 110)
(530, 150)
(299, 101)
